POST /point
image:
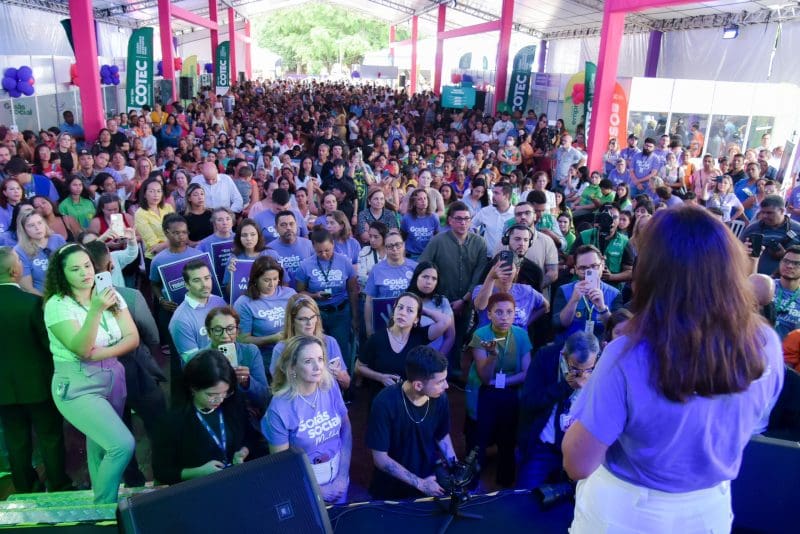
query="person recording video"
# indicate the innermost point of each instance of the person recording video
(613, 245)
(409, 429)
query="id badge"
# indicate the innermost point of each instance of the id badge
(500, 380)
(589, 327)
(565, 421)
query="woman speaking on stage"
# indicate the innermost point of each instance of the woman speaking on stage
(658, 433)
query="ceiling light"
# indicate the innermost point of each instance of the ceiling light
(731, 31)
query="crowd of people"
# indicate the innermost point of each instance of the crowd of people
(394, 247)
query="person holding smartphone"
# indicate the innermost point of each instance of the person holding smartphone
(88, 329)
(588, 302)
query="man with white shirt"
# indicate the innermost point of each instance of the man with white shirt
(493, 218)
(220, 190)
(187, 326)
(502, 127)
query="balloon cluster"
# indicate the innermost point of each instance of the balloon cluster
(209, 68)
(455, 77)
(177, 65)
(73, 74)
(18, 82)
(109, 75)
(578, 94)
(355, 74)
(467, 79)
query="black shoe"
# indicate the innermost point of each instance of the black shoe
(134, 480)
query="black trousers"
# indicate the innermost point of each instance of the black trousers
(498, 413)
(19, 422)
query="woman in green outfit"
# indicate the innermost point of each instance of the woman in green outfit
(77, 204)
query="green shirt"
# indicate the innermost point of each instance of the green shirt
(83, 211)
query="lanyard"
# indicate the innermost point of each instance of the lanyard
(589, 307)
(221, 441)
(103, 323)
(324, 272)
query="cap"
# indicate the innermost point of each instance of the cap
(84, 152)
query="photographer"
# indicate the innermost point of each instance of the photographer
(554, 381)
(778, 230)
(613, 245)
(409, 428)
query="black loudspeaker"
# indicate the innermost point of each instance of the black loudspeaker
(402, 80)
(186, 89)
(241, 77)
(480, 100)
(764, 493)
(276, 493)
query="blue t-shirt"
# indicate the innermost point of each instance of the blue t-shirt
(526, 299)
(264, 316)
(205, 244)
(266, 220)
(744, 190)
(187, 328)
(290, 256)
(643, 165)
(319, 274)
(349, 249)
(420, 230)
(36, 266)
(388, 281)
(793, 200)
(5, 217)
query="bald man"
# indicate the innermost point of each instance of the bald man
(220, 190)
(26, 369)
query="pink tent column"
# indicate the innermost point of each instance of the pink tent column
(608, 59)
(167, 55)
(232, 39)
(93, 114)
(248, 60)
(213, 15)
(437, 69)
(414, 35)
(392, 37)
(501, 80)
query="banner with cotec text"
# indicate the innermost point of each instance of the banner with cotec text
(222, 69)
(520, 83)
(140, 69)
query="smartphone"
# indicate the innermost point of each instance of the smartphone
(327, 293)
(117, 224)
(14, 128)
(506, 257)
(593, 277)
(229, 351)
(757, 242)
(102, 281)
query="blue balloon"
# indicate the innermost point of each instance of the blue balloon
(10, 72)
(25, 88)
(104, 70)
(14, 93)
(466, 78)
(9, 83)
(24, 73)
(114, 69)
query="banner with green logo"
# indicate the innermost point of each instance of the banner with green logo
(222, 69)
(589, 78)
(140, 69)
(520, 83)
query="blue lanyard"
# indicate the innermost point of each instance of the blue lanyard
(222, 444)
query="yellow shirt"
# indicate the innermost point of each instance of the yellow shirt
(158, 118)
(148, 224)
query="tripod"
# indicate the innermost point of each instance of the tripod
(452, 512)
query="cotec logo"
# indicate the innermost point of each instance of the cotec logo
(140, 96)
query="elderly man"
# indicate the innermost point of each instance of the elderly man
(220, 190)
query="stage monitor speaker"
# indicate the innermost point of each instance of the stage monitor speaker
(241, 77)
(186, 89)
(402, 81)
(277, 493)
(480, 100)
(764, 494)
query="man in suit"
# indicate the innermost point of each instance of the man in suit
(26, 370)
(554, 381)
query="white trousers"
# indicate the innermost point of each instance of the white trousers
(607, 504)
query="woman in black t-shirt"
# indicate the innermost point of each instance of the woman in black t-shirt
(383, 358)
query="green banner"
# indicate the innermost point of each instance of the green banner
(222, 69)
(140, 69)
(591, 74)
(520, 84)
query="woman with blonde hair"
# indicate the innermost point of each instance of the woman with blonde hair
(303, 318)
(36, 242)
(307, 405)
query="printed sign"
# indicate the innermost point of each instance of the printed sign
(221, 254)
(520, 83)
(239, 278)
(140, 69)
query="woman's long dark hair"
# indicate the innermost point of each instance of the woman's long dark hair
(412, 286)
(694, 310)
(206, 369)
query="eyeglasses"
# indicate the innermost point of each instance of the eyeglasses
(219, 330)
(462, 219)
(584, 268)
(393, 246)
(307, 320)
(574, 371)
(218, 397)
(791, 263)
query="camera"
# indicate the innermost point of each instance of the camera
(553, 494)
(454, 477)
(604, 221)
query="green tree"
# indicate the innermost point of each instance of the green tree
(313, 36)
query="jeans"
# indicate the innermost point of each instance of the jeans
(607, 504)
(337, 325)
(91, 396)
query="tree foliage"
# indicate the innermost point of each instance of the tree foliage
(313, 35)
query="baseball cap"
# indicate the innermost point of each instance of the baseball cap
(84, 152)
